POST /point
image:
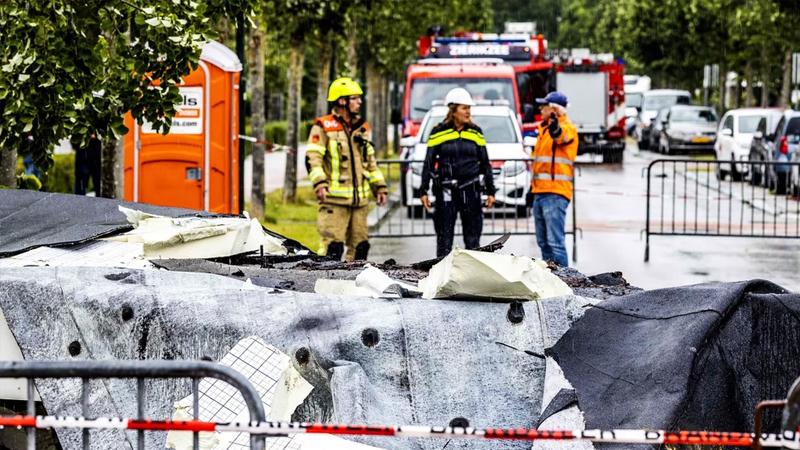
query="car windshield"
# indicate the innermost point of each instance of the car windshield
(426, 90)
(633, 99)
(656, 102)
(748, 124)
(693, 115)
(793, 127)
(496, 129)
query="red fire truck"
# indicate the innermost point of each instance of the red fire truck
(525, 53)
(429, 80)
(595, 88)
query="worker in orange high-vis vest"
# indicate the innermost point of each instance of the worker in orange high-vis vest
(553, 172)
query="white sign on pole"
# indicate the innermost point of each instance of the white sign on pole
(520, 27)
(795, 68)
(188, 117)
(706, 76)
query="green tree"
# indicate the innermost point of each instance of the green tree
(74, 68)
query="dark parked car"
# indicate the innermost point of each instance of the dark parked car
(652, 102)
(688, 128)
(780, 146)
(761, 146)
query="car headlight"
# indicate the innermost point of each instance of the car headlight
(678, 135)
(513, 168)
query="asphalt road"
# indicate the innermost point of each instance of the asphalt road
(611, 210)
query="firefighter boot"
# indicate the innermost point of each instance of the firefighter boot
(362, 250)
(335, 250)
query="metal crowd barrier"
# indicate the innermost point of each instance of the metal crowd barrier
(404, 215)
(719, 198)
(141, 371)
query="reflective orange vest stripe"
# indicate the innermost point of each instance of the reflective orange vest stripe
(553, 162)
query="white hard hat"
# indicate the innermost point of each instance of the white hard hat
(459, 96)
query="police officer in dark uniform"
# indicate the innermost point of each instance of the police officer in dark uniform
(455, 160)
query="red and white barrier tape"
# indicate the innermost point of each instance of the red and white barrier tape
(786, 439)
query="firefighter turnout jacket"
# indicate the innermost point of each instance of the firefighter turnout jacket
(554, 160)
(341, 158)
(457, 158)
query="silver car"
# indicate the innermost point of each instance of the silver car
(504, 143)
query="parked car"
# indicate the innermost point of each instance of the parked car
(652, 102)
(734, 137)
(761, 146)
(786, 148)
(503, 142)
(688, 129)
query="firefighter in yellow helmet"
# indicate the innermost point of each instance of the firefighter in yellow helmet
(342, 167)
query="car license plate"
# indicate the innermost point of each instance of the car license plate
(701, 139)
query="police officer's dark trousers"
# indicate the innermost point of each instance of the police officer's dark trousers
(465, 201)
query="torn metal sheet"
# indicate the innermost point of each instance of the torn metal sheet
(470, 273)
(696, 357)
(197, 237)
(381, 284)
(325, 286)
(30, 219)
(369, 360)
(99, 253)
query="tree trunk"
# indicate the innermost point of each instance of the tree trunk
(383, 109)
(723, 78)
(352, 52)
(373, 100)
(786, 87)
(108, 167)
(749, 99)
(256, 65)
(8, 167)
(324, 73)
(296, 60)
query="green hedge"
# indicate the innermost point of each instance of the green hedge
(61, 177)
(276, 132)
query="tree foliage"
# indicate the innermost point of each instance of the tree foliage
(74, 68)
(672, 40)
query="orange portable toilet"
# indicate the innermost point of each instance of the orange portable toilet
(196, 165)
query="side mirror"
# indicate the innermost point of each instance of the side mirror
(528, 113)
(726, 132)
(529, 141)
(396, 118)
(408, 141)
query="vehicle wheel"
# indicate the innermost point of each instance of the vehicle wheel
(523, 211)
(612, 155)
(721, 174)
(735, 174)
(414, 212)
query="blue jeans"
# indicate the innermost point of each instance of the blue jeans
(550, 216)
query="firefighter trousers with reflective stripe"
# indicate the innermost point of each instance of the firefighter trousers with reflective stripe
(467, 203)
(345, 224)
